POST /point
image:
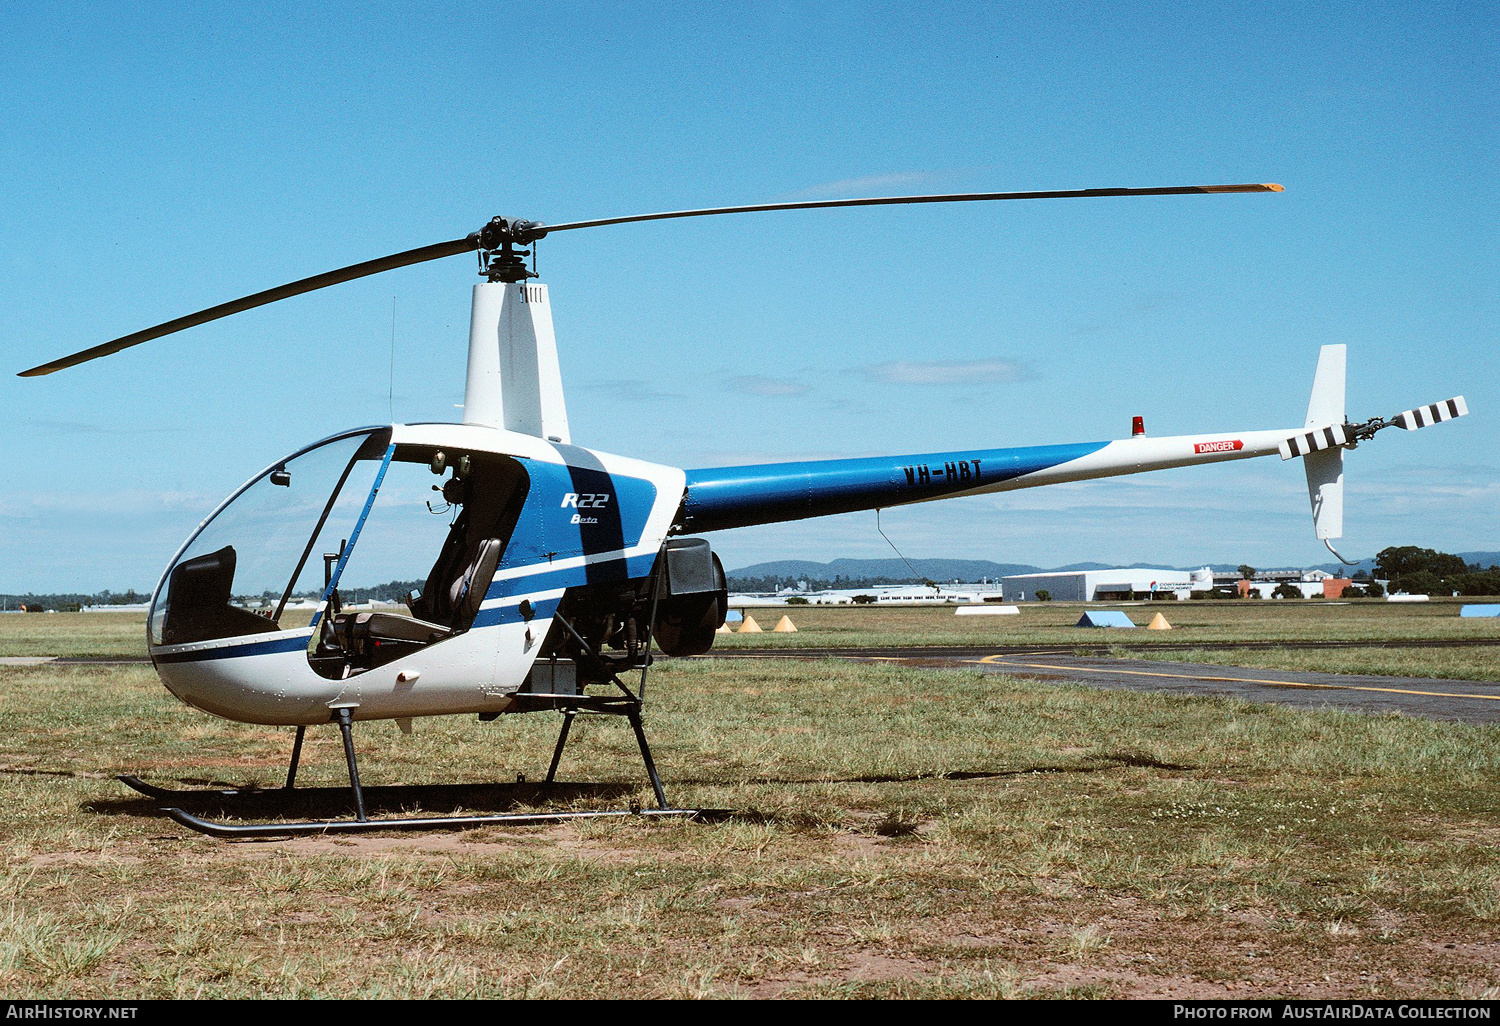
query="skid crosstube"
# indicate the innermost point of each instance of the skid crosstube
(356, 826)
(627, 704)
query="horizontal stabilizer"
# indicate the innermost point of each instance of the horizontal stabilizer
(1436, 413)
(1312, 441)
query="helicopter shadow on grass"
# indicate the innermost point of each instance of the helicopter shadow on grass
(326, 803)
(330, 803)
(1098, 764)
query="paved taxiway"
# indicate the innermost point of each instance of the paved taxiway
(1465, 701)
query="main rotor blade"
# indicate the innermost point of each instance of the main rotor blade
(526, 232)
(957, 197)
(296, 288)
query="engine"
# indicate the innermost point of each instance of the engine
(688, 595)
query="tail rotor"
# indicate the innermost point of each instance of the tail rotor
(1328, 433)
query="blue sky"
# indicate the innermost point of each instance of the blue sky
(159, 159)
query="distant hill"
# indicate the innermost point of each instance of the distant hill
(871, 571)
(861, 572)
(875, 569)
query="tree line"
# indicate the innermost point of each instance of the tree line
(1419, 571)
(70, 602)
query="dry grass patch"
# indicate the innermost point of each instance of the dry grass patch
(908, 833)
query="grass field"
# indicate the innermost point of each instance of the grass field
(907, 833)
(95, 635)
(1193, 623)
(122, 635)
(1052, 623)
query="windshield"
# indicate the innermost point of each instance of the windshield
(258, 564)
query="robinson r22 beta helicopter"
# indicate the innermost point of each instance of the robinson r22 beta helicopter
(552, 570)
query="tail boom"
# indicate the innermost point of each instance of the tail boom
(725, 497)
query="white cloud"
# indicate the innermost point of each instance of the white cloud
(1408, 487)
(73, 427)
(948, 372)
(630, 389)
(746, 458)
(870, 183)
(759, 384)
(19, 506)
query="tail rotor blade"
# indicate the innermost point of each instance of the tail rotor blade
(1434, 413)
(1318, 439)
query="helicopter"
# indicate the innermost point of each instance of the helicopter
(537, 574)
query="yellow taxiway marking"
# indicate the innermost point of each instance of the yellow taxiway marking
(995, 660)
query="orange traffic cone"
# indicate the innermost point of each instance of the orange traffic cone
(750, 626)
(1158, 623)
(784, 626)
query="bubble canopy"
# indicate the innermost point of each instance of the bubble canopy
(263, 547)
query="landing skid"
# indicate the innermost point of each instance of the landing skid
(628, 706)
(360, 826)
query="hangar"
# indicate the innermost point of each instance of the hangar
(1107, 585)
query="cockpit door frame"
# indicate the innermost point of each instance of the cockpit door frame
(364, 514)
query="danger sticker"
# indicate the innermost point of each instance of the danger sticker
(1226, 446)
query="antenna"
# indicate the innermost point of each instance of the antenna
(391, 391)
(896, 550)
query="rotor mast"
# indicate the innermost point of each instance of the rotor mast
(514, 380)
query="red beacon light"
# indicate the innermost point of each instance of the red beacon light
(1137, 427)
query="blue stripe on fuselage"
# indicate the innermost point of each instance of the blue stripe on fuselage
(724, 497)
(295, 643)
(545, 578)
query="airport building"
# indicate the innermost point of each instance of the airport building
(878, 595)
(1131, 584)
(1107, 585)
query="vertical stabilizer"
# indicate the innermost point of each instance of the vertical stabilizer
(514, 379)
(1325, 466)
(1325, 488)
(1327, 403)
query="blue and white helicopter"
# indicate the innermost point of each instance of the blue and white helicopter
(546, 572)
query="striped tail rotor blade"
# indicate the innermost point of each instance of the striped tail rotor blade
(1434, 413)
(1314, 441)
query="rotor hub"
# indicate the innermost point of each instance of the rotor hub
(500, 259)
